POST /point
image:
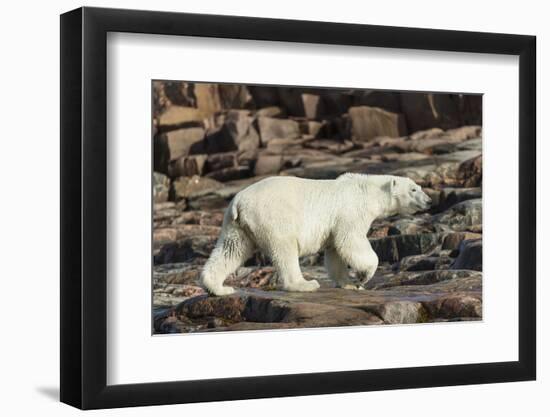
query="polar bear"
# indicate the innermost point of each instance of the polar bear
(288, 217)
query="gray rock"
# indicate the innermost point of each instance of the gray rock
(185, 187)
(464, 216)
(470, 256)
(161, 187)
(370, 122)
(235, 131)
(271, 128)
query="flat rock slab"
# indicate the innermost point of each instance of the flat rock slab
(429, 296)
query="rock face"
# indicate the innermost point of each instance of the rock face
(368, 123)
(212, 140)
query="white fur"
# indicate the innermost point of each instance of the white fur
(288, 217)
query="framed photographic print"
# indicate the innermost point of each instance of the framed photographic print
(257, 208)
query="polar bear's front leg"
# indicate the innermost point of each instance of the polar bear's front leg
(285, 260)
(337, 269)
(356, 251)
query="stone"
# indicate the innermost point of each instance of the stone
(268, 164)
(370, 122)
(271, 128)
(204, 218)
(272, 111)
(184, 187)
(313, 106)
(464, 216)
(393, 248)
(161, 187)
(455, 306)
(471, 172)
(230, 174)
(186, 250)
(470, 255)
(182, 142)
(377, 98)
(428, 110)
(218, 161)
(448, 197)
(400, 312)
(452, 241)
(235, 132)
(187, 166)
(177, 116)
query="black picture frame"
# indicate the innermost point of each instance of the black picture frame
(84, 207)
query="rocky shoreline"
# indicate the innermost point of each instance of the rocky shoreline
(430, 263)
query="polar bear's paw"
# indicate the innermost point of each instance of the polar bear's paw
(353, 287)
(221, 291)
(303, 286)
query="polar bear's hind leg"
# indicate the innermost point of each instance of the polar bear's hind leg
(233, 248)
(287, 265)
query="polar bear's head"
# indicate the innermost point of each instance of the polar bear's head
(407, 196)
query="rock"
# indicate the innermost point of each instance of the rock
(418, 263)
(370, 122)
(313, 106)
(161, 153)
(424, 111)
(186, 250)
(454, 306)
(291, 100)
(227, 308)
(393, 248)
(182, 142)
(179, 93)
(272, 111)
(271, 128)
(400, 312)
(268, 164)
(450, 196)
(187, 166)
(219, 161)
(452, 241)
(230, 174)
(264, 96)
(470, 255)
(377, 98)
(177, 116)
(161, 187)
(333, 146)
(235, 131)
(432, 133)
(184, 187)
(203, 218)
(471, 172)
(464, 216)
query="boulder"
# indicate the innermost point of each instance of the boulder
(161, 187)
(268, 164)
(450, 196)
(235, 132)
(313, 106)
(187, 166)
(452, 241)
(177, 116)
(464, 216)
(471, 172)
(271, 128)
(378, 98)
(370, 122)
(186, 250)
(470, 255)
(185, 187)
(394, 248)
(272, 111)
(230, 174)
(427, 110)
(400, 312)
(182, 142)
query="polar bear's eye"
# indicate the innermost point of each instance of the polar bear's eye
(413, 190)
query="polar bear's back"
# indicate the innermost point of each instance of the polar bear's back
(286, 206)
